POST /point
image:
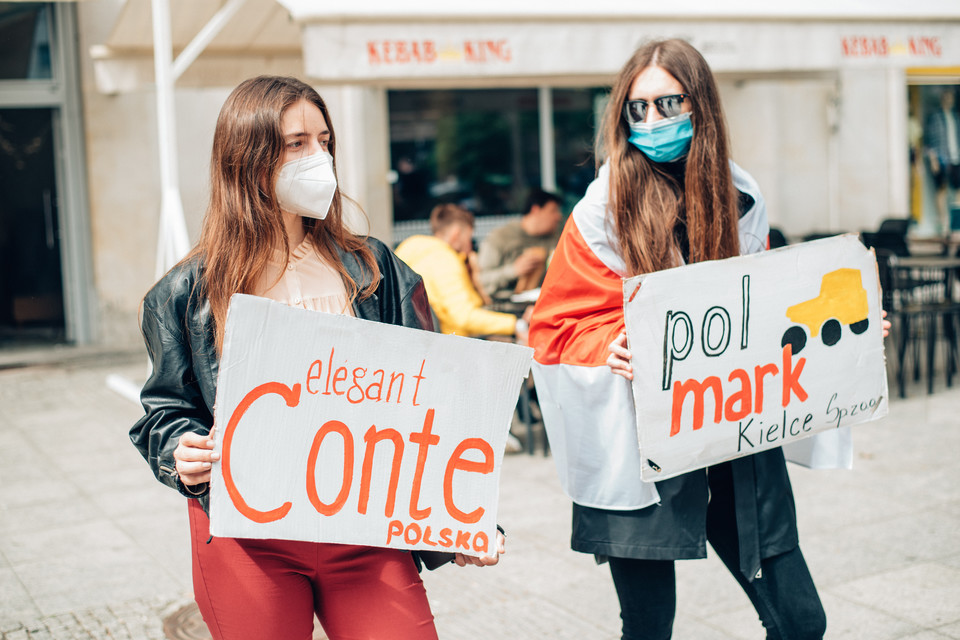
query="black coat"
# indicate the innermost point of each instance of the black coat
(177, 326)
(755, 489)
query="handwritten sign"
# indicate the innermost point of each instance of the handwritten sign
(336, 429)
(737, 356)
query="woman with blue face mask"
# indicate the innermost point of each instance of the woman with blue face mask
(666, 194)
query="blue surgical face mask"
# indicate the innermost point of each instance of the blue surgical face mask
(664, 140)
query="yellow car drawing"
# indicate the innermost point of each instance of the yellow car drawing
(842, 301)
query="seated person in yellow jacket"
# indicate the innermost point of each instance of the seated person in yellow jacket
(441, 260)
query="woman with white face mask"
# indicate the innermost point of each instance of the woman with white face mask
(666, 194)
(273, 228)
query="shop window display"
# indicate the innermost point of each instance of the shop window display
(934, 138)
(480, 148)
(473, 147)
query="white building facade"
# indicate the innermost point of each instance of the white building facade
(476, 103)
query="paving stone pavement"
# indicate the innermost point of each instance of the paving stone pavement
(132, 620)
(92, 547)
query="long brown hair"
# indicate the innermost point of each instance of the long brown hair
(243, 223)
(647, 203)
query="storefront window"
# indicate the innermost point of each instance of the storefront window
(475, 147)
(934, 130)
(25, 41)
(576, 118)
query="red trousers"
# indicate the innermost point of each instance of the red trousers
(269, 589)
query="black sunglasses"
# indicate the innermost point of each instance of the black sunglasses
(635, 111)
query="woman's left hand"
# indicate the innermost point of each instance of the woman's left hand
(484, 560)
(886, 323)
(619, 358)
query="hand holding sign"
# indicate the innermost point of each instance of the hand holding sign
(484, 560)
(742, 355)
(619, 358)
(343, 430)
(195, 456)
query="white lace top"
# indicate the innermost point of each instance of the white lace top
(306, 281)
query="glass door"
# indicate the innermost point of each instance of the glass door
(45, 266)
(31, 288)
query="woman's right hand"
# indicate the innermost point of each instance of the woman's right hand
(195, 455)
(619, 358)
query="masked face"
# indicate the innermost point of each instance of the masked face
(306, 186)
(305, 183)
(657, 112)
(664, 140)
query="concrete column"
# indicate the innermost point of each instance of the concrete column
(548, 156)
(899, 156)
(865, 148)
(361, 121)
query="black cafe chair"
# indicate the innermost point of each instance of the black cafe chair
(891, 241)
(897, 226)
(923, 313)
(777, 239)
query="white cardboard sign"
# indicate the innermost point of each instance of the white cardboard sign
(336, 429)
(737, 356)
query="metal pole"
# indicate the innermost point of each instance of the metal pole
(205, 36)
(834, 106)
(172, 243)
(548, 157)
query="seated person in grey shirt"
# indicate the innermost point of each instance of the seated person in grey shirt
(513, 257)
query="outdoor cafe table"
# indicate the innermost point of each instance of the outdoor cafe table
(942, 245)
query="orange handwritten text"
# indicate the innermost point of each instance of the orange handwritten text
(353, 383)
(462, 541)
(292, 397)
(346, 439)
(745, 399)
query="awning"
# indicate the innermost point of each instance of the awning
(259, 37)
(436, 41)
(602, 10)
(402, 54)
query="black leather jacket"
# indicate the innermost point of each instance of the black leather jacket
(177, 327)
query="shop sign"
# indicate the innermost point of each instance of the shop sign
(427, 52)
(336, 429)
(887, 46)
(369, 51)
(739, 356)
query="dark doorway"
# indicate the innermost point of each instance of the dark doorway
(31, 286)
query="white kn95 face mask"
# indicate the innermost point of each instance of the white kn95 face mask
(305, 186)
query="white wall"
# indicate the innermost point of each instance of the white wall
(123, 170)
(124, 175)
(122, 180)
(823, 147)
(361, 121)
(780, 136)
(865, 148)
(819, 144)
